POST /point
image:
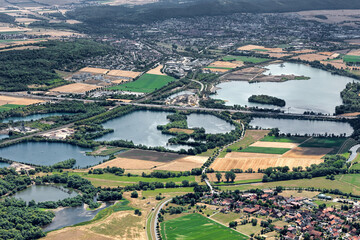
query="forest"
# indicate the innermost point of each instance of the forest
(351, 99)
(265, 99)
(19, 69)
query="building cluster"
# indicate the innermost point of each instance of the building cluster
(304, 218)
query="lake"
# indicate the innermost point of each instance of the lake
(70, 216)
(301, 127)
(48, 153)
(141, 127)
(43, 193)
(33, 117)
(321, 93)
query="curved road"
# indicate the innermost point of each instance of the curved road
(154, 220)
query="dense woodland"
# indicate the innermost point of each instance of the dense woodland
(351, 99)
(19, 69)
(265, 99)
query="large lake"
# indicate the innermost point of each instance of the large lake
(141, 127)
(70, 216)
(33, 117)
(294, 126)
(43, 193)
(48, 153)
(321, 93)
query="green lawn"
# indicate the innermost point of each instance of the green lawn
(146, 83)
(335, 143)
(268, 150)
(238, 182)
(348, 183)
(244, 59)
(283, 139)
(167, 191)
(8, 107)
(196, 226)
(113, 177)
(351, 58)
(356, 163)
(122, 205)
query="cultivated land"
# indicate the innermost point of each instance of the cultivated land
(145, 160)
(157, 71)
(94, 70)
(181, 130)
(244, 59)
(240, 177)
(226, 65)
(75, 88)
(10, 102)
(196, 226)
(146, 83)
(267, 150)
(274, 144)
(349, 183)
(122, 73)
(334, 143)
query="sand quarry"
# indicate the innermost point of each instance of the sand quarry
(297, 156)
(151, 160)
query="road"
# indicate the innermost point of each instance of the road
(154, 220)
(265, 114)
(201, 85)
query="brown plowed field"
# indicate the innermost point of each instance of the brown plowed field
(142, 159)
(274, 144)
(307, 152)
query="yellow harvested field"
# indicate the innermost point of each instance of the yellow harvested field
(226, 164)
(304, 51)
(239, 176)
(223, 64)
(157, 70)
(26, 20)
(119, 81)
(182, 164)
(276, 55)
(22, 48)
(274, 144)
(250, 47)
(181, 130)
(355, 52)
(70, 21)
(75, 88)
(311, 57)
(120, 100)
(250, 155)
(221, 70)
(122, 73)
(94, 70)
(339, 64)
(11, 29)
(307, 152)
(18, 100)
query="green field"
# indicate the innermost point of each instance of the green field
(334, 143)
(348, 183)
(356, 163)
(132, 179)
(238, 182)
(167, 191)
(351, 58)
(196, 226)
(268, 150)
(244, 59)
(283, 139)
(8, 107)
(146, 83)
(122, 205)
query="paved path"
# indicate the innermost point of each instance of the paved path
(154, 220)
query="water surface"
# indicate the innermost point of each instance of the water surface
(210, 123)
(43, 193)
(301, 127)
(33, 117)
(321, 93)
(48, 153)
